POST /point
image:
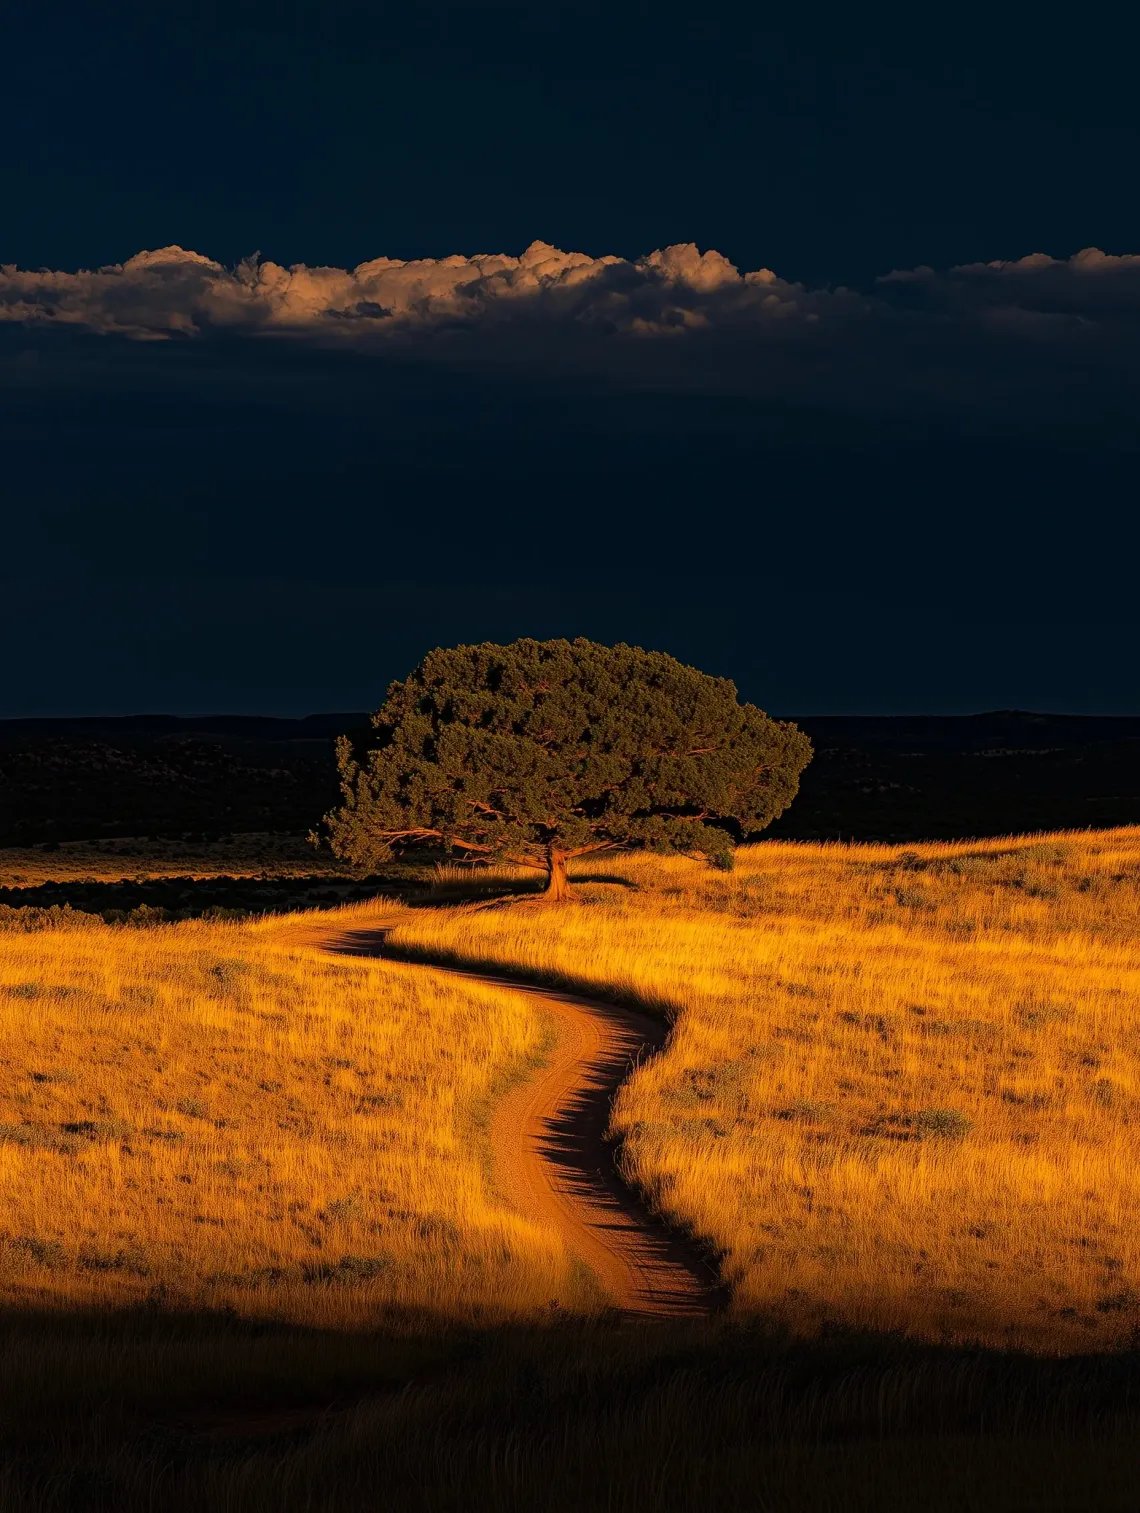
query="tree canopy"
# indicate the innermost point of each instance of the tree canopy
(544, 750)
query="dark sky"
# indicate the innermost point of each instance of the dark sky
(917, 497)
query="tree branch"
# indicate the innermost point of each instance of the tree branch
(481, 808)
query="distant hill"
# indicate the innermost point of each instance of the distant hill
(163, 775)
(909, 777)
(873, 778)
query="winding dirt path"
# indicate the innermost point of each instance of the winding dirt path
(552, 1161)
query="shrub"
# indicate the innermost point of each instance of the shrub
(58, 917)
(347, 1270)
(942, 1123)
(46, 1253)
(146, 916)
(1104, 1092)
(810, 1110)
(132, 1260)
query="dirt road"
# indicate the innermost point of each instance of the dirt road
(553, 1163)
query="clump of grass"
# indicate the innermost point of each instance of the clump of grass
(942, 1123)
(341, 1209)
(809, 1109)
(1038, 1013)
(1105, 1093)
(912, 898)
(24, 1249)
(131, 1260)
(35, 1135)
(98, 1129)
(347, 1271)
(192, 1108)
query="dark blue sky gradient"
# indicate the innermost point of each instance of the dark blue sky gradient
(832, 145)
(211, 527)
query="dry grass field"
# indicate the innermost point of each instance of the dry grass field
(899, 1094)
(903, 1088)
(216, 1116)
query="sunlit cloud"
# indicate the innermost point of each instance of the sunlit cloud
(172, 292)
(999, 337)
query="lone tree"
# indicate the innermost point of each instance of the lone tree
(544, 750)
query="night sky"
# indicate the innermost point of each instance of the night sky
(233, 488)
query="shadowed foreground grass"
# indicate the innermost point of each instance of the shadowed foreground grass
(144, 1413)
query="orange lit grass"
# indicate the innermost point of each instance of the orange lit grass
(902, 1089)
(216, 1115)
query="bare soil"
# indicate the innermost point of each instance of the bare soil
(553, 1161)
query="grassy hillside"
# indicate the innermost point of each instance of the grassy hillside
(217, 1116)
(902, 1092)
(899, 1093)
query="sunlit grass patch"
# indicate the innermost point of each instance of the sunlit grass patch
(902, 1088)
(221, 1116)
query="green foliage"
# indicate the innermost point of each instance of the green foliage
(57, 917)
(942, 1123)
(511, 751)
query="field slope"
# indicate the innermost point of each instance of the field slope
(221, 1116)
(901, 1090)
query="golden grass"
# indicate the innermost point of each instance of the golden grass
(219, 1116)
(902, 1090)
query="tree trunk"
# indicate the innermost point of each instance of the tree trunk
(557, 883)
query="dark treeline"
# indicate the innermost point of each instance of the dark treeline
(936, 777)
(161, 775)
(895, 778)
